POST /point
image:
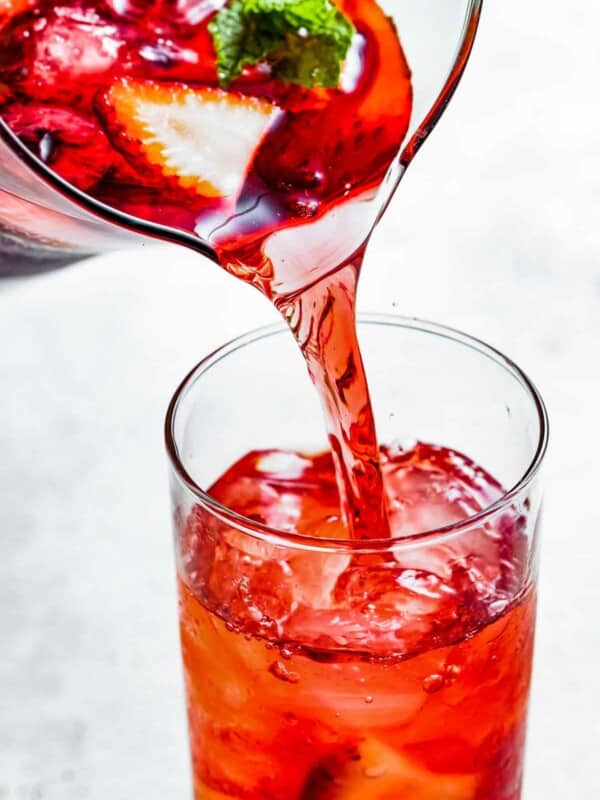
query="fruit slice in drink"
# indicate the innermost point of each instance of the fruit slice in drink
(204, 139)
(373, 771)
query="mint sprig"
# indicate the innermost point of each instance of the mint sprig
(303, 41)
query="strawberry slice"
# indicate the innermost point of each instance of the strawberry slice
(203, 138)
(374, 771)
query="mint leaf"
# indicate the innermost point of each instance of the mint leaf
(303, 41)
(238, 41)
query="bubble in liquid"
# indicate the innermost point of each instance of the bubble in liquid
(302, 205)
(280, 671)
(433, 683)
(452, 671)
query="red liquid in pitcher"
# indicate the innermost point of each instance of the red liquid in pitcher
(287, 206)
(73, 74)
(316, 675)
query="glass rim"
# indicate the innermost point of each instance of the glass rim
(258, 530)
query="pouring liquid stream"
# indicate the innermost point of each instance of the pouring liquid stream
(317, 297)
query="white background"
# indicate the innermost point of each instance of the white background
(496, 230)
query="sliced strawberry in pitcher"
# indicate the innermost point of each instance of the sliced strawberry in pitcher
(72, 144)
(204, 139)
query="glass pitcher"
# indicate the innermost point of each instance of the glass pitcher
(46, 222)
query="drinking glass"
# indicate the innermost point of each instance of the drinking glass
(327, 713)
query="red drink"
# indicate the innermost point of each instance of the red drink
(332, 676)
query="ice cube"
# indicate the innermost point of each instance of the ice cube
(316, 576)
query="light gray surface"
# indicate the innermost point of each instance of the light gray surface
(496, 230)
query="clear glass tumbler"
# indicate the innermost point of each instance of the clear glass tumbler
(321, 668)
